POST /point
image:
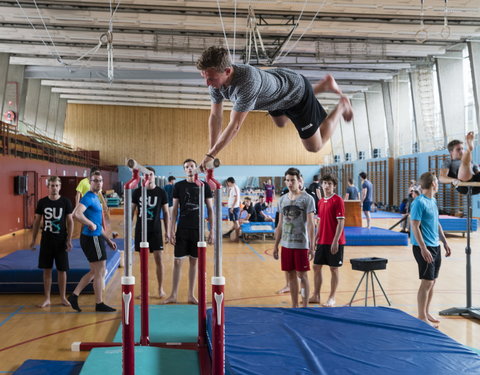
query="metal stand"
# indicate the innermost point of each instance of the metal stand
(371, 273)
(468, 311)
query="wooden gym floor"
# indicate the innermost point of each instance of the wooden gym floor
(252, 276)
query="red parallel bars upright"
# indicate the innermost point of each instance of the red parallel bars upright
(218, 284)
(144, 250)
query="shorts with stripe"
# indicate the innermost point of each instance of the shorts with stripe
(93, 247)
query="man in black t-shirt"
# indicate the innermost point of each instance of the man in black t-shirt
(185, 234)
(156, 200)
(248, 208)
(56, 241)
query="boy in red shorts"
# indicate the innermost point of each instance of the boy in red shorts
(295, 233)
(330, 238)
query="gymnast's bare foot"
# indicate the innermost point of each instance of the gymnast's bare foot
(285, 289)
(161, 294)
(65, 302)
(330, 303)
(314, 299)
(328, 84)
(192, 300)
(46, 303)
(469, 139)
(347, 108)
(434, 325)
(169, 300)
(432, 319)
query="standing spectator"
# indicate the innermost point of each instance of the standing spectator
(92, 240)
(352, 191)
(315, 189)
(367, 197)
(233, 207)
(269, 192)
(426, 233)
(295, 233)
(56, 212)
(156, 202)
(330, 239)
(185, 235)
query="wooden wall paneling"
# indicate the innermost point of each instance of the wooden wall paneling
(167, 136)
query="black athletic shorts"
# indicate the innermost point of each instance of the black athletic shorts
(306, 115)
(428, 271)
(323, 256)
(475, 189)
(53, 250)
(186, 242)
(155, 241)
(93, 247)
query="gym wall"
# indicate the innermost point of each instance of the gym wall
(167, 136)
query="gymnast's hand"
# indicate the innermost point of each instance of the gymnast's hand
(210, 237)
(203, 164)
(69, 246)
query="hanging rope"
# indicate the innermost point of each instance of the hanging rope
(234, 29)
(445, 33)
(223, 28)
(422, 34)
(280, 57)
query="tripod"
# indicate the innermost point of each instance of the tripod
(468, 311)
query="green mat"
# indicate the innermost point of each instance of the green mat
(148, 361)
(168, 323)
(474, 350)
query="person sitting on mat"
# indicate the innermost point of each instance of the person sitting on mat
(296, 235)
(259, 207)
(330, 239)
(185, 235)
(248, 208)
(284, 93)
(425, 234)
(56, 242)
(460, 166)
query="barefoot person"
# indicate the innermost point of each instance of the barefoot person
(92, 240)
(285, 94)
(425, 235)
(56, 212)
(295, 234)
(330, 239)
(185, 234)
(157, 201)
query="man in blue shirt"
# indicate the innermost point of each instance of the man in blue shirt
(367, 197)
(426, 233)
(92, 240)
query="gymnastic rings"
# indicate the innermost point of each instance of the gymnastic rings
(421, 35)
(445, 32)
(10, 116)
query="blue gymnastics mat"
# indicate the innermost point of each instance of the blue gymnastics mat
(383, 215)
(148, 361)
(19, 272)
(456, 224)
(45, 367)
(167, 323)
(374, 236)
(341, 340)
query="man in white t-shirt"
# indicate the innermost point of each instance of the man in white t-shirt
(233, 208)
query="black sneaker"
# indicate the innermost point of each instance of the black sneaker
(104, 308)
(73, 299)
(227, 235)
